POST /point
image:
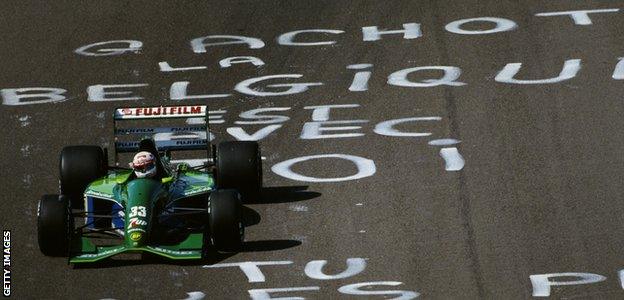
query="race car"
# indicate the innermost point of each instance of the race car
(180, 211)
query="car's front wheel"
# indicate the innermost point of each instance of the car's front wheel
(225, 220)
(239, 167)
(79, 166)
(55, 225)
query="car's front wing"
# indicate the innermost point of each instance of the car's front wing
(84, 251)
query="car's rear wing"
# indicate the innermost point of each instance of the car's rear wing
(196, 137)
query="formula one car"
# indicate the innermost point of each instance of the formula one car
(180, 212)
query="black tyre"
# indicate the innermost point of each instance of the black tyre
(239, 167)
(225, 220)
(55, 225)
(79, 166)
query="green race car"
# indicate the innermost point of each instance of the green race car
(180, 212)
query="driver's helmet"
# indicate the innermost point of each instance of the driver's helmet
(144, 165)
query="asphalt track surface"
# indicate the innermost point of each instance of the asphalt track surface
(540, 191)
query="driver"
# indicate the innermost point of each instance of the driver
(144, 165)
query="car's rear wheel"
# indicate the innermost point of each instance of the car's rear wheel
(225, 223)
(239, 167)
(79, 166)
(55, 225)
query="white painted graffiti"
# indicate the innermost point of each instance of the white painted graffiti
(259, 86)
(321, 127)
(543, 282)
(365, 168)
(314, 270)
(369, 34)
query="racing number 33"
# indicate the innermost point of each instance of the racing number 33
(138, 211)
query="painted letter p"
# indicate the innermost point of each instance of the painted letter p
(542, 282)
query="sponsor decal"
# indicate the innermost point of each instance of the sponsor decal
(140, 211)
(162, 111)
(184, 129)
(126, 144)
(174, 110)
(99, 194)
(136, 222)
(136, 229)
(134, 130)
(146, 130)
(196, 190)
(6, 263)
(102, 253)
(191, 142)
(135, 236)
(174, 252)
